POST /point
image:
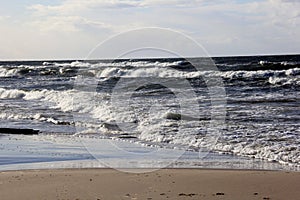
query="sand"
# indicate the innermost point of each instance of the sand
(85, 184)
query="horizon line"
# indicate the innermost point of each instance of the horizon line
(142, 58)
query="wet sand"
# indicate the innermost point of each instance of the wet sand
(85, 184)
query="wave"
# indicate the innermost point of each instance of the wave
(49, 99)
(260, 65)
(11, 94)
(287, 74)
(284, 153)
(284, 81)
(8, 72)
(163, 126)
(280, 77)
(59, 99)
(170, 72)
(71, 68)
(38, 117)
(254, 63)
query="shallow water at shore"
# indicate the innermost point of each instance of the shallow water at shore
(48, 152)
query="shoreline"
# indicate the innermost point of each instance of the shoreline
(182, 164)
(17, 154)
(166, 183)
(149, 170)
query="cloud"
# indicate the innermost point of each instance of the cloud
(77, 6)
(3, 18)
(290, 1)
(285, 13)
(222, 26)
(111, 14)
(68, 24)
(177, 3)
(70, 15)
(252, 27)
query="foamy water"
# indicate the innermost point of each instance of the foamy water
(75, 98)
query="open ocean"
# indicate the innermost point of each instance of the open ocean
(262, 119)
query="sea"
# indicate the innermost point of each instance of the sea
(221, 112)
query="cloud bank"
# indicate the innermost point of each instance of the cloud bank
(71, 28)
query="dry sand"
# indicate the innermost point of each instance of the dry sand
(108, 184)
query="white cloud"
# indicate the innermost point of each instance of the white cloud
(77, 6)
(68, 24)
(231, 22)
(285, 12)
(222, 26)
(178, 3)
(3, 18)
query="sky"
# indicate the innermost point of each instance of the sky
(70, 29)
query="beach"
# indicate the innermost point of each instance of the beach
(161, 184)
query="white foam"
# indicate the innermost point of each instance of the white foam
(5, 72)
(72, 64)
(168, 72)
(284, 81)
(143, 69)
(285, 63)
(121, 64)
(11, 94)
(60, 99)
(27, 116)
(154, 128)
